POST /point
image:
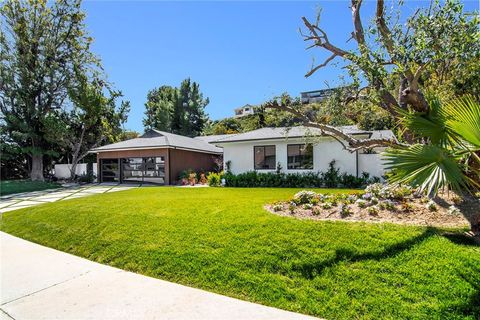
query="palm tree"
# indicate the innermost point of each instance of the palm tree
(448, 155)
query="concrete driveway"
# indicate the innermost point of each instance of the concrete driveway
(29, 199)
(41, 283)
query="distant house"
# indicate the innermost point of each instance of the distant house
(244, 111)
(316, 95)
(155, 157)
(298, 149)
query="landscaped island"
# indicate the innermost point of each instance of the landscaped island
(222, 240)
(383, 203)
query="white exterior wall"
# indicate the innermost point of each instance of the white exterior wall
(324, 151)
(371, 163)
(62, 171)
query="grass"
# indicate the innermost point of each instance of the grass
(18, 186)
(222, 240)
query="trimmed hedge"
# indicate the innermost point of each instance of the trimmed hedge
(330, 179)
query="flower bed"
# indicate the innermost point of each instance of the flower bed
(381, 203)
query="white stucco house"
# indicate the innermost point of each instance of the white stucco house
(299, 149)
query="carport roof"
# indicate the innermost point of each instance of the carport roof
(153, 139)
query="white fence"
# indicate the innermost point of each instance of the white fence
(62, 171)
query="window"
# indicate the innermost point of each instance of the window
(264, 157)
(300, 156)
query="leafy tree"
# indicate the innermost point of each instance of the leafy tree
(93, 120)
(394, 60)
(159, 108)
(40, 46)
(177, 110)
(128, 134)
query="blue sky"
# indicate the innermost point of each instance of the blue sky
(239, 52)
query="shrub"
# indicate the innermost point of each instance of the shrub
(345, 210)
(86, 178)
(214, 179)
(277, 207)
(431, 205)
(361, 203)
(330, 178)
(407, 207)
(456, 199)
(373, 210)
(453, 210)
(304, 196)
(390, 205)
(327, 205)
(307, 206)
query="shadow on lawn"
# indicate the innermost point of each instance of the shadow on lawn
(471, 307)
(310, 270)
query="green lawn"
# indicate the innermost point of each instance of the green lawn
(222, 240)
(18, 186)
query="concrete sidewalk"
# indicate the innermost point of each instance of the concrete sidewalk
(41, 283)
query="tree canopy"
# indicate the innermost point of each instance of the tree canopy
(176, 110)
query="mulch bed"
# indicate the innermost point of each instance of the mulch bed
(415, 213)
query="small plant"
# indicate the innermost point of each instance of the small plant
(307, 206)
(316, 211)
(202, 179)
(304, 196)
(453, 210)
(361, 203)
(327, 205)
(373, 210)
(390, 205)
(367, 196)
(431, 205)
(424, 200)
(277, 207)
(291, 207)
(407, 207)
(351, 199)
(374, 189)
(374, 200)
(314, 201)
(345, 210)
(382, 205)
(457, 199)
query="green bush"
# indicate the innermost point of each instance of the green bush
(330, 179)
(214, 179)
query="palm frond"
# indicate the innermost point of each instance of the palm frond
(431, 125)
(463, 118)
(428, 167)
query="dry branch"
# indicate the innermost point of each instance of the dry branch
(348, 141)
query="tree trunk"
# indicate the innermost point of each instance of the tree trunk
(36, 173)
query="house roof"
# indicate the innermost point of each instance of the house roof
(284, 132)
(160, 139)
(214, 137)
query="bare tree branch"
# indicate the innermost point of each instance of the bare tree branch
(349, 142)
(314, 69)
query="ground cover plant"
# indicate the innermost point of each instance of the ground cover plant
(17, 186)
(222, 240)
(384, 203)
